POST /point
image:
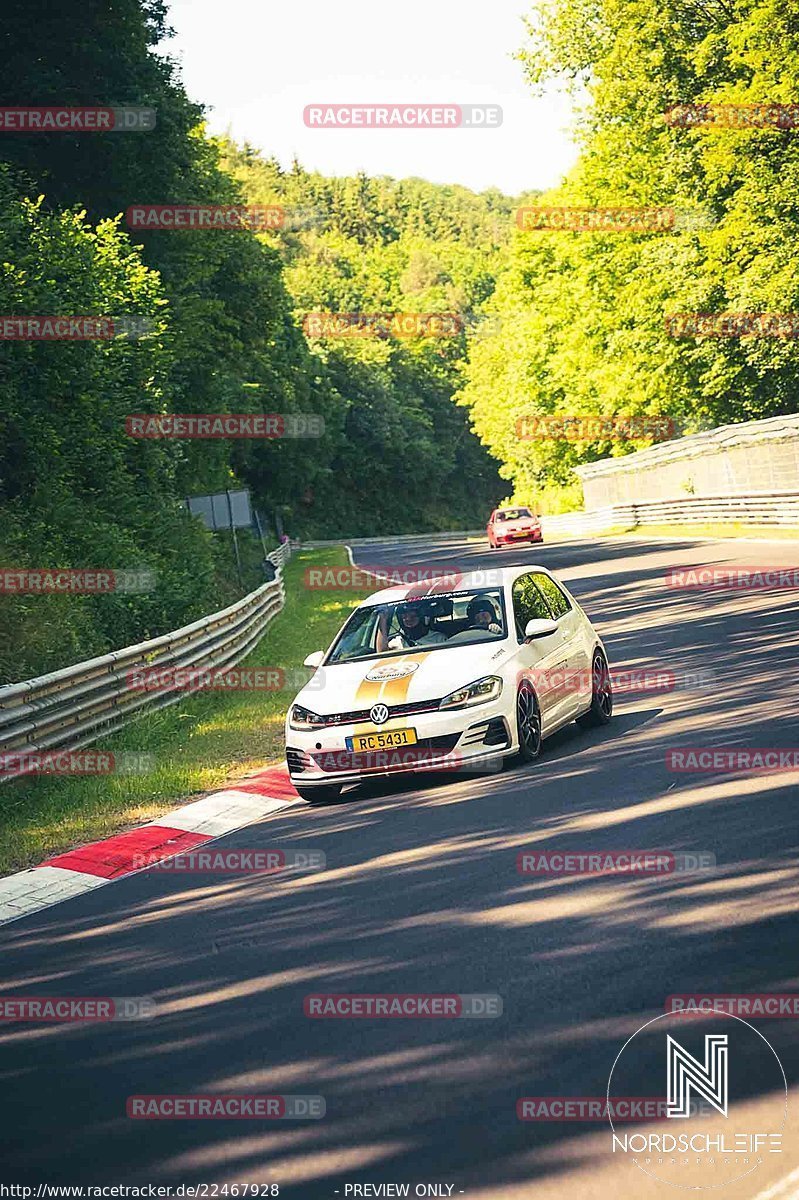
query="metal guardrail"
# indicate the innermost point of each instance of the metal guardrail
(70, 708)
(778, 509)
(754, 508)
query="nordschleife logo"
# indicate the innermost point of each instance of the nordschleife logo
(720, 1099)
(685, 1074)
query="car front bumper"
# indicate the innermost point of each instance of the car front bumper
(519, 539)
(459, 740)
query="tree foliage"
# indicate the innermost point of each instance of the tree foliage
(225, 336)
(405, 458)
(583, 328)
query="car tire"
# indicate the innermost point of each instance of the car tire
(601, 709)
(528, 724)
(318, 795)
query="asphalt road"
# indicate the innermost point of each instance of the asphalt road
(421, 894)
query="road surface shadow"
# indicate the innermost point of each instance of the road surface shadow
(422, 893)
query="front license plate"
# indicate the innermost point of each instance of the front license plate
(381, 741)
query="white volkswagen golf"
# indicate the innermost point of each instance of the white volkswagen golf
(442, 675)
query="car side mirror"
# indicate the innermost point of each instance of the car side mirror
(315, 660)
(539, 628)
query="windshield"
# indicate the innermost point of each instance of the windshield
(432, 623)
(512, 514)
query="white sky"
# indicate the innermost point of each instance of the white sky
(257, 63)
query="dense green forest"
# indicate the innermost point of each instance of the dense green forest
(225, 335)
(382, 246)
(420, 433)
(583, 330)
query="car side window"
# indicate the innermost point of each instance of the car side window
(528, 604)
(555, 598)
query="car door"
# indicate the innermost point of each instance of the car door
(578, 673)
(544, 660)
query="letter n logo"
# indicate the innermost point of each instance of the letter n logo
(684, 1072)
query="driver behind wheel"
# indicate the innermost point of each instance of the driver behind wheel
(415, 628)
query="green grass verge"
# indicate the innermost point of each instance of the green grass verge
(199, 744)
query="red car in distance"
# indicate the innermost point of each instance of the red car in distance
(513, 526)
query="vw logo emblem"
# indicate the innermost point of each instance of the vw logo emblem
(378, 715)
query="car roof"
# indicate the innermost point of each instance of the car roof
(491, 577)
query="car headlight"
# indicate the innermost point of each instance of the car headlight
(301, 718)
(479, 692)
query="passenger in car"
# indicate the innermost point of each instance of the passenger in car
(483, 615)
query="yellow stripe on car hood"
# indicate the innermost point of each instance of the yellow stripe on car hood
(390, 691)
